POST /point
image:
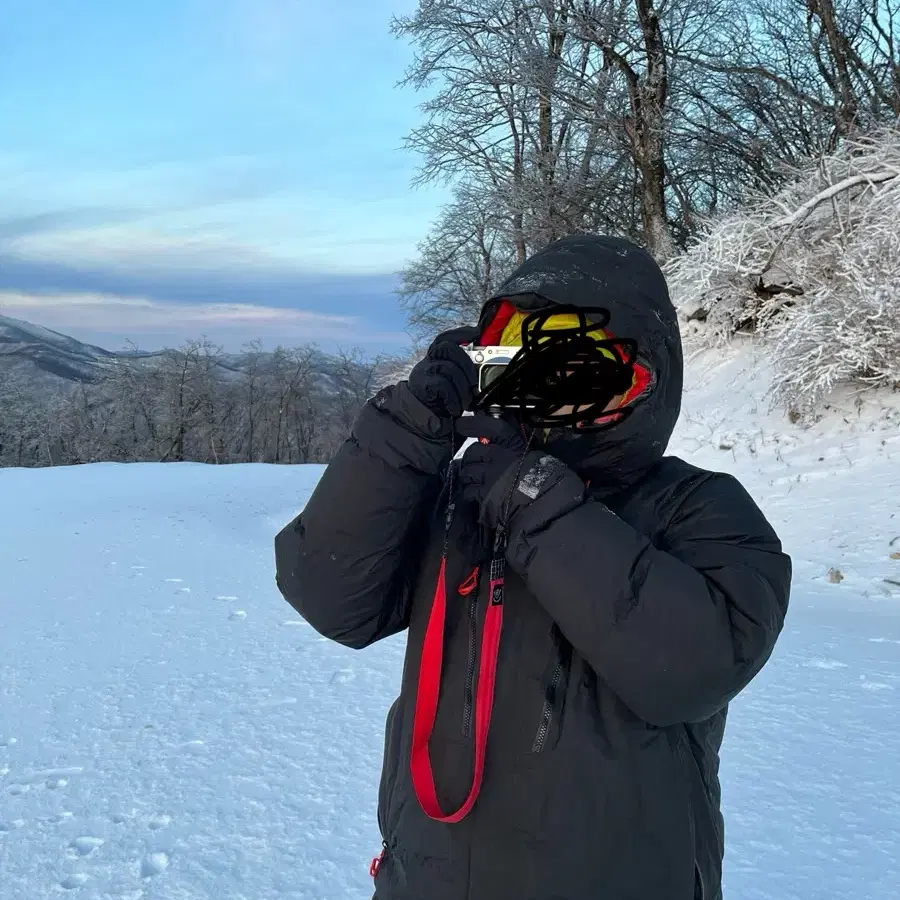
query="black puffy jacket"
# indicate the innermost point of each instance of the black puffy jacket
(636, 608)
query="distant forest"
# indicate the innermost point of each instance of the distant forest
(196, 403)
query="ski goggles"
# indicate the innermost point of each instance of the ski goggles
(565, 374)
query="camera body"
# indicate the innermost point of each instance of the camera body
(490, 361)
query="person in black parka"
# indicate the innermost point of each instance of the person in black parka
(640, 595)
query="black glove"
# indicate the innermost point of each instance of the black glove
(446, 380)
(493, 461)
(504, 477)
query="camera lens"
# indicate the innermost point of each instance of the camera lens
(488, 374)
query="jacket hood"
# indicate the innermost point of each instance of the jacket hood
(590, 271)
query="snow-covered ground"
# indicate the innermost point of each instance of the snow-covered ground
(169, 729)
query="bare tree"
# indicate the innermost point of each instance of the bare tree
(475, 123)
(459, 265)
(635, 117)
(353, 377)
(253, 354)
(293, 405)
(805, 74)
(643, 64)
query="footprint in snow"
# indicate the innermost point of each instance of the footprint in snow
(820, 663)
(51, 779)
(154, 864)
(874, 686)
(342, 676)
(238, 614)
(85, 846)
(14, 825)
(180, 581)
(158, 822)
(59, 818)
(73, 881)
(275, 704)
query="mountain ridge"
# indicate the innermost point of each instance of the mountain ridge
(33, 351)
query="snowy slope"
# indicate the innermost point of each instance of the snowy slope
(17, 331)
(37, 352)
(169, 729)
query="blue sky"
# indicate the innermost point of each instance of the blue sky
(172, 168)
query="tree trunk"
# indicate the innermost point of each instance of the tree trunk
(848, 110)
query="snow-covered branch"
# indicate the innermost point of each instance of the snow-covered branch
(813, 272)
(799, 215)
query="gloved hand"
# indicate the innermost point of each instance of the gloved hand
(446, 380)
(490, 464)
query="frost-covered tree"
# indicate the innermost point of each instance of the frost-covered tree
(813, 271)
(634, 117)
(293, 405)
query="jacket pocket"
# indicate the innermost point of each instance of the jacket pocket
(390, 765)
(554, 686)
(688, 765)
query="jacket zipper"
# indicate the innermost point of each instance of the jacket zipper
(549, 703)
(557, 685)
(470, 664)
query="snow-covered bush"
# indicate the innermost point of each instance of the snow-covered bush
(813, 272)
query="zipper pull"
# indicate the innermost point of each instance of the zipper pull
(469, 585)
(500, 542)
(498, 568)
(376, 863)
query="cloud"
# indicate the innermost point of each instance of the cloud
(140, 248)
(17, 228)
(174, 191)
(141, 320)
(96, 311)
(171, 213)
(173, 248)
(307, 231)
(163, 291)
(210, 278)
(322, 211)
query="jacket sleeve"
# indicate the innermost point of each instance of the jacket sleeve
(348, 561)
(676, 630)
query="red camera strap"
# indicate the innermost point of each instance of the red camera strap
(429, 691)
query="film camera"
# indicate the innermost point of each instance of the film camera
(490, 362)
(558, 376)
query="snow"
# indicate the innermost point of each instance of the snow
(169, 728)
(16, 331)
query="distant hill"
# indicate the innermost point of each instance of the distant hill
(42, 359)
(38, 355)
(195, 403)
